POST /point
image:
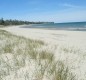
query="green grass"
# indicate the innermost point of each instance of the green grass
(20, 57)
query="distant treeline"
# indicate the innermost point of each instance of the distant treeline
(18, 22)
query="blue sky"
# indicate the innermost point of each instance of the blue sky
(44, 10)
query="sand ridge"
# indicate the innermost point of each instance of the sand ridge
(68, 46)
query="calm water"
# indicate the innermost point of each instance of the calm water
(79, 26)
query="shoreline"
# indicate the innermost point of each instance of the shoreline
(46, 28)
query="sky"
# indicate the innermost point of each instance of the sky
(44, 10)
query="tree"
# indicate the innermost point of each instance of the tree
(2, 22)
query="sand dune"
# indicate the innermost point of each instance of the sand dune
(68, 46)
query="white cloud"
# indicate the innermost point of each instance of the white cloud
(69, 5)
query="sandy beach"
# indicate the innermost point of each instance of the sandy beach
(67, 46)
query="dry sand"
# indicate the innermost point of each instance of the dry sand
(68, 46)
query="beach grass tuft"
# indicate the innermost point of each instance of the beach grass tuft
(20, 59)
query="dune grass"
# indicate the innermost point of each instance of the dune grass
(20, 59)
